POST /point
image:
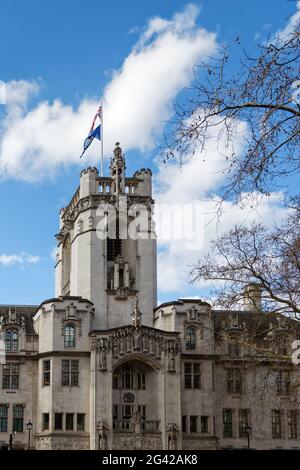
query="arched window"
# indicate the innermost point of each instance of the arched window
(127, 379)
(190, 338)
(69, 336)
(141, 385)
(11, 340)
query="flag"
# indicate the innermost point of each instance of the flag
(94, 133)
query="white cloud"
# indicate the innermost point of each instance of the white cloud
(292, 24)
(201, 173)
(19, 258)
(35, 142)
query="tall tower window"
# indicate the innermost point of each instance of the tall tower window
(114, 245)
(69, 336)
(66, 266)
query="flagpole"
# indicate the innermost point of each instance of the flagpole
(101, 166)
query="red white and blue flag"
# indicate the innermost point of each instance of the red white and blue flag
(94, 132)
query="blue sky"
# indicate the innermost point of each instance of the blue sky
(58, 59)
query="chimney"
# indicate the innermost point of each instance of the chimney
(252, 298)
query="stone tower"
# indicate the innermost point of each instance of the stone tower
(107, 246)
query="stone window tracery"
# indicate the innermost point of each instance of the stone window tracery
(190, 338)
(69, 336)
(11, 340)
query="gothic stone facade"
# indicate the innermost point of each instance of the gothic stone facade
(100, 366)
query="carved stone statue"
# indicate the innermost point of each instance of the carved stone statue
(172, 436)
(121, 343)
(137, 339)
(136, 314)
(102, 354)
(136, 422)
(145, 343)
(172, 354)
(128, 341)
(115, 347)
(102, 428)
(151, 345)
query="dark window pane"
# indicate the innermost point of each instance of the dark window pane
(184, 424)
(65, 371)
(276, 424)
(3, 418)
(243, 422)
(190, 336)
(74, 373)
(45, 421)
(58, 421)
(227, 423)
(188, 381)
(69, 421)
(18, 416)
(193, 423)
(204, 424)
(46, 373)
(80, 421)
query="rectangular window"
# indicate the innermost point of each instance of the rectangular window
(227, 423)
(292, 424)
(283, 382)
(204, 424)
(10, 377)
(46, 373)
(192, 376)
(142, 410)
(70, 373)
(115, 381)
(18, 418)
(80, 421)
(69, 421)
(276, 424)
(45, 421)
(3, 418)
(74, 373)
(183, 421)
(193, 423)
(234, 381)
(115, 412)
(58, 421)
(243, 422)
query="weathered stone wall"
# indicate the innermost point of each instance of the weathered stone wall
(130, 441)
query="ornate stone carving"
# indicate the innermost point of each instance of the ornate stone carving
(172, 436)
(93, 340)
(128, 397)
(102, 350)
(173, 347)
(13, 318)
(136, 422)
(137, 337)
(137, 340)
(102, 429)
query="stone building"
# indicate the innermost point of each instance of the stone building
(101, 366)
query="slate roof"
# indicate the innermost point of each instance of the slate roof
(27, 310)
